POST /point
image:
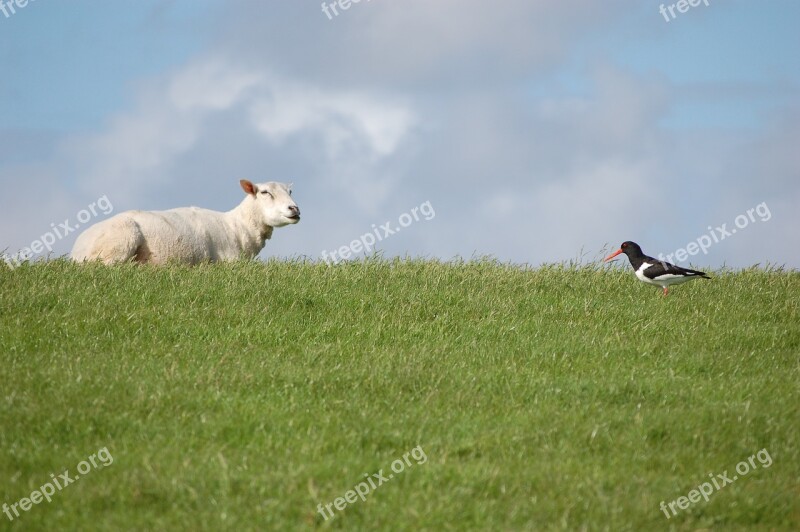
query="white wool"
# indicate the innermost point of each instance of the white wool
(191, 235)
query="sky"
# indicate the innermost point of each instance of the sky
(529, 131)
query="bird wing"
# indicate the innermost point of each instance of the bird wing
(660, 269)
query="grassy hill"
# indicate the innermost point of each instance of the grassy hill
(242, 396)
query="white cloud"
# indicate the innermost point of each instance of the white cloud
(342, 119)
(175, 112)
(414, 43)
(212, 84)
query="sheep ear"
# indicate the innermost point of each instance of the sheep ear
(248, 187)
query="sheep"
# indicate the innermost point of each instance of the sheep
(191, 235)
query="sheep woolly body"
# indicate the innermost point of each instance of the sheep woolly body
(191, 235)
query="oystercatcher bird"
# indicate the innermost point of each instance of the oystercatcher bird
(654, 271)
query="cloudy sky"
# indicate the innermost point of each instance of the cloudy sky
(538, 131)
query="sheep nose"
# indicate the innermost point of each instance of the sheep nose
(294, 209)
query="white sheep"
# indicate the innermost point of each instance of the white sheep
(191, 235)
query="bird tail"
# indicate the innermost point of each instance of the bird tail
(703, 275)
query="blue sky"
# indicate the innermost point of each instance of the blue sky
(539, 131)
(93, 53)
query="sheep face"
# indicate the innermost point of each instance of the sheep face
(274, 201)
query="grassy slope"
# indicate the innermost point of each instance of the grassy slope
(242, 395)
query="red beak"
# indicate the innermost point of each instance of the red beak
(617, 252)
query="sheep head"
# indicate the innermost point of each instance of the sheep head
(274, 202)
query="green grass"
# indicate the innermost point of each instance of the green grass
(240, 396)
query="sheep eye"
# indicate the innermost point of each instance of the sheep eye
(266, 192)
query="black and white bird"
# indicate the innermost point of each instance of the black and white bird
(654, 271)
